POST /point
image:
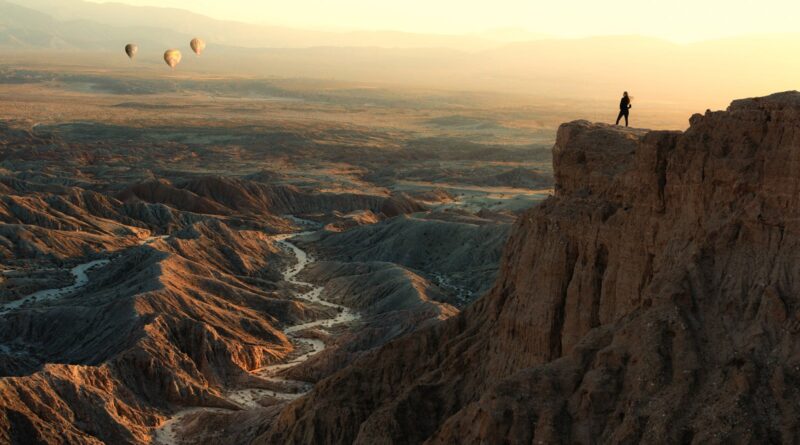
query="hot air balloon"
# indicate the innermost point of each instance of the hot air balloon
(172, 57)
(198, 45)
(131, 50)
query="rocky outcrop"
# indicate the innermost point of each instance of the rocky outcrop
(653, 299)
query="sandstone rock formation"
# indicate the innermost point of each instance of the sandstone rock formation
(653, 299)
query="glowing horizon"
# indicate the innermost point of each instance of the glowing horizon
(678, 21)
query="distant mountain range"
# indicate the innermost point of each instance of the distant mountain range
(82, 25)
(590, 69)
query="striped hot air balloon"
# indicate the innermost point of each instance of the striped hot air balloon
(172, 57)
(198, 45)
(131, 49)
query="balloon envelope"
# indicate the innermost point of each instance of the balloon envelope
(131, 50)
(172, 57)
(198, 45)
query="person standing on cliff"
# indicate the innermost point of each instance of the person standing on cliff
(624, 108)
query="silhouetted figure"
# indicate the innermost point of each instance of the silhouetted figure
(624, 108)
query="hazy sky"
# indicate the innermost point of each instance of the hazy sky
(679, 20)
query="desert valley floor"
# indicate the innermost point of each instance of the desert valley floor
(183, 258)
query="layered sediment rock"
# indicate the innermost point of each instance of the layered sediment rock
(653, 299)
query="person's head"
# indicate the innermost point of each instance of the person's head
(625, 93)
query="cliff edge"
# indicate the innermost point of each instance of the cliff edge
(655, 298)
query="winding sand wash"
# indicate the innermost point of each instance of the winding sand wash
(248, 398)
(81, 279)
(80, 274)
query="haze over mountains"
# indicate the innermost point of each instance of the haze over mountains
(160, 26)
(591, 69)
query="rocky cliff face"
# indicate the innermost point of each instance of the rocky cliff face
(653, 299)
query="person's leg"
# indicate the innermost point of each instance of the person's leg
(626, 117)
(619, 116)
